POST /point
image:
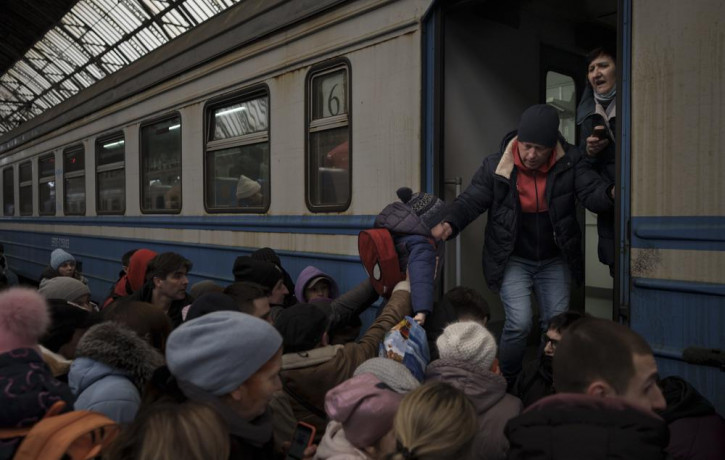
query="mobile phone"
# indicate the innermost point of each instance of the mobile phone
(600, 133)
(301, 440)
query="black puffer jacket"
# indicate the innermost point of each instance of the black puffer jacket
(573, 426)
(603, 165)
(493, 189)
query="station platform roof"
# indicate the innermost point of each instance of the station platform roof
(52, 49)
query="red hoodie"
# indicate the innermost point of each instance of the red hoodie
(134, 277)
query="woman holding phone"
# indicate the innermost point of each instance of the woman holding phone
(596, 115)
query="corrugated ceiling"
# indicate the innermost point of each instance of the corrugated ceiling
(91, 41)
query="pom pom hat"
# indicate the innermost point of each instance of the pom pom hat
(24, 318)
(428, 207)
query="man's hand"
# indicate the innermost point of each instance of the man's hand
(442, 231)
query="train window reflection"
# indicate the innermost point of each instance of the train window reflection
(328, 140)
(237, 154)
(161, 166)
(8, 192)
(74, 181)
(111, 175)
(25, 171)
(46, 185)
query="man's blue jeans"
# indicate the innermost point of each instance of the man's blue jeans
(551, 282)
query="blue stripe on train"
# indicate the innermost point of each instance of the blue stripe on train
(700, 233)
(336, 225)
(28, 253)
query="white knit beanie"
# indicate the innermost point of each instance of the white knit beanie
(247, 187)
(468, 342)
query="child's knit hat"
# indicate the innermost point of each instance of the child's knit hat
(429, 208)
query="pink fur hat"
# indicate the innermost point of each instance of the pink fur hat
(24, 318)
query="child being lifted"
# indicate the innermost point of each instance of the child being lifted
(409, 222)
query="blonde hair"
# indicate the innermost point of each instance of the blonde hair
(435, 421)
(168, 431)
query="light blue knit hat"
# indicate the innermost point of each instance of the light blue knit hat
(59, 257)
(219, 351)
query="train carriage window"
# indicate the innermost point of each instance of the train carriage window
(161, 166)
(111, 174)
(74, 181)
(46, 185)
(561, 94)
(8, 192)
(237, 154)
(25, 171)
(328, 177)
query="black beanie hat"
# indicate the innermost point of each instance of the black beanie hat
(267, 255)
(301, 326)
(209, 303)
(539, 125)
(248, 269)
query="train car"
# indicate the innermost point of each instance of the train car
(291, 124)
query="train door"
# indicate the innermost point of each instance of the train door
(497, 59)
(672, 172)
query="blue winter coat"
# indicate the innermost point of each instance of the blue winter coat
(112, 364)
(417, 252)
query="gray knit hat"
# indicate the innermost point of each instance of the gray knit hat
(468, 342)
(59, 257)
(63, 287)
(219, 351)
(390, 372)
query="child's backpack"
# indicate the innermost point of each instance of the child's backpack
(75, 435)
(380, 259)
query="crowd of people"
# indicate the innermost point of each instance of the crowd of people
(240, 371)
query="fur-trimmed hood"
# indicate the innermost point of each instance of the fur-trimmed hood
(119, 349)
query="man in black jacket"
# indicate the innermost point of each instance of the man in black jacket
(166, 283)
(533, 240)
(536, 380)
(606, 381)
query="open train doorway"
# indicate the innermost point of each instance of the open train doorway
(497, 58)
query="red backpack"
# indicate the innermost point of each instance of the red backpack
(380, 259)
(76, 435)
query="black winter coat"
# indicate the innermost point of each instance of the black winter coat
(603, 165)
(535, 381)
(493, 189)
(574, 427)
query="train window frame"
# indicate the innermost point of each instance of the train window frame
(11, 202)
(143, 173)
(75, 174)
(318, 125)
(559, 104)
(101, 168)
(25, 185)
(47, 179)
(256, 138)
